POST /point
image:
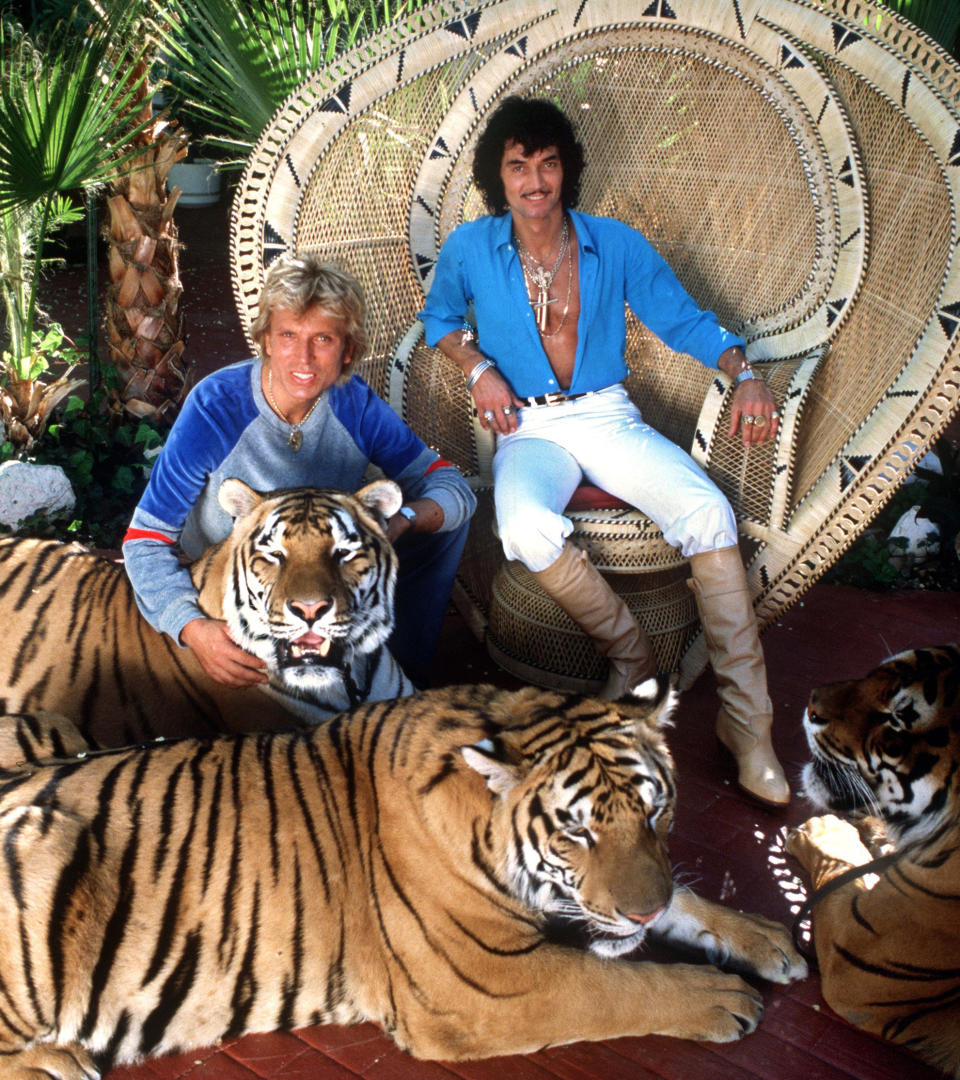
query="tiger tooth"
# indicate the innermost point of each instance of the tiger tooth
(325, 647)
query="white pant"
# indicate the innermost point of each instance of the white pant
(601, 438)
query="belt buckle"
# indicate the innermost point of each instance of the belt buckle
(554, 398)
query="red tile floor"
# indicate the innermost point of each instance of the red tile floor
(723, 846)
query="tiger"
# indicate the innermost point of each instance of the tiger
(305, 580)
(888, 945)
(469, 867)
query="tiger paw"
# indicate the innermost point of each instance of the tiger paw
(45, 1062)
(717, 1007)
(826, 845)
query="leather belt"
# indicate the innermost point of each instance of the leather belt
(556, 398)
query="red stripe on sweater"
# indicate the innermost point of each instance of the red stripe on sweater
(146, 534)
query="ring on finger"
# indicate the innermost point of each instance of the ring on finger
(760, 421)
(749, 419)
(507, 410)
(488, 415)
(774, 415)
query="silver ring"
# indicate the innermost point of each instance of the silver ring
(748, 419)
(774, 415)
(507, 410)
(488, 416)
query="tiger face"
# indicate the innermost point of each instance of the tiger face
(588, 820)
(890, 742)
(312, 579)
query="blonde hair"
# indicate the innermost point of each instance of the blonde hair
(298, 281)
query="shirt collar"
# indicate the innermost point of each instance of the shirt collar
(503, 230)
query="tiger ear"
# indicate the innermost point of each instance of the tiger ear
(500, 776)
(237, 498)
(658, 698)
(383, 497)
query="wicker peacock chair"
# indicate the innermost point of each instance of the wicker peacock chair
(798, 164)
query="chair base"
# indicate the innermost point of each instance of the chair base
(531, 637)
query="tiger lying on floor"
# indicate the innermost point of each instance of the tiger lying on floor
(75, 643)
(889, 947)
(405, 863)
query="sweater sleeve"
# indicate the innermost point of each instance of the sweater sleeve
(163, 588)
(390, 445)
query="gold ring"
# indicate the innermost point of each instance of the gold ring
(760, 421)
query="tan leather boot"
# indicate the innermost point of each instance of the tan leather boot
(719, 584)
(579, 588)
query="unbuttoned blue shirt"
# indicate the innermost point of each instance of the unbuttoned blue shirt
(618, 267)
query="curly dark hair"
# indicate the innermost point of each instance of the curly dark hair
(535, 124)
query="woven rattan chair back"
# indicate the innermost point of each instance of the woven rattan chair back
(797, 164)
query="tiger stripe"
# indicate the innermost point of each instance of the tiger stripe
(162, 897)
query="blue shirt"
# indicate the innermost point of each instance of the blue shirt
(479, 266)
(226, 428)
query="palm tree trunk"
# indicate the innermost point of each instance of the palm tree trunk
(143, 321)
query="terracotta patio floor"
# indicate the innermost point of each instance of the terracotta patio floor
(722, 845)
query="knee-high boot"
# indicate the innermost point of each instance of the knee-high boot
(733, 643)
(579, 588)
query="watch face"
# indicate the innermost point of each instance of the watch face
(409, 513)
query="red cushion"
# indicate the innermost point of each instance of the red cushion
(588, 497)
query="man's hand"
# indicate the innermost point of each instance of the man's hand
(220, 656)
(491, 392)
(496, 403)
(753, 408)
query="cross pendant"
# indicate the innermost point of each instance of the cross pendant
(540, 307)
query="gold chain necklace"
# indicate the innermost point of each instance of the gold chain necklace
(296, 434)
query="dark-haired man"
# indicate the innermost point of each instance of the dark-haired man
(545, 367)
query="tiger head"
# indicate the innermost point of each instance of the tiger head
(305, 580)
(582, 811)
(889, 743)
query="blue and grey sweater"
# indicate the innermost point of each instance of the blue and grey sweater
(226, 428)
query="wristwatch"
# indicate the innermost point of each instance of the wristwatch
(409, 513)
(743, 376)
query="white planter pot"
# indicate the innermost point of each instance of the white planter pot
(198, 181)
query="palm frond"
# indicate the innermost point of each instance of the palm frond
(65, 112)
(237, 60)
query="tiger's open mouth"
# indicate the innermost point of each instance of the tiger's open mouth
(310, 650)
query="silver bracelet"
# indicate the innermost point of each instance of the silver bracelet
(483, 365)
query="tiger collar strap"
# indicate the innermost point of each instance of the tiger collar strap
(875, 866)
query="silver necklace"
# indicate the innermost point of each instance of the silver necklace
(296, 434)
(537, 275)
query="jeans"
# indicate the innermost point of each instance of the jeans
(601, 438)
(428, 565)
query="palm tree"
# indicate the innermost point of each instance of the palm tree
(144, 325)
(64, 115)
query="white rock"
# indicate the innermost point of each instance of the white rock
(913, 540)
(931, 463)
(26, 488)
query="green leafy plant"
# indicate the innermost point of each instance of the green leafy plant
(107, 460)
(233, 62)
(65, 116)
(867, 564)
